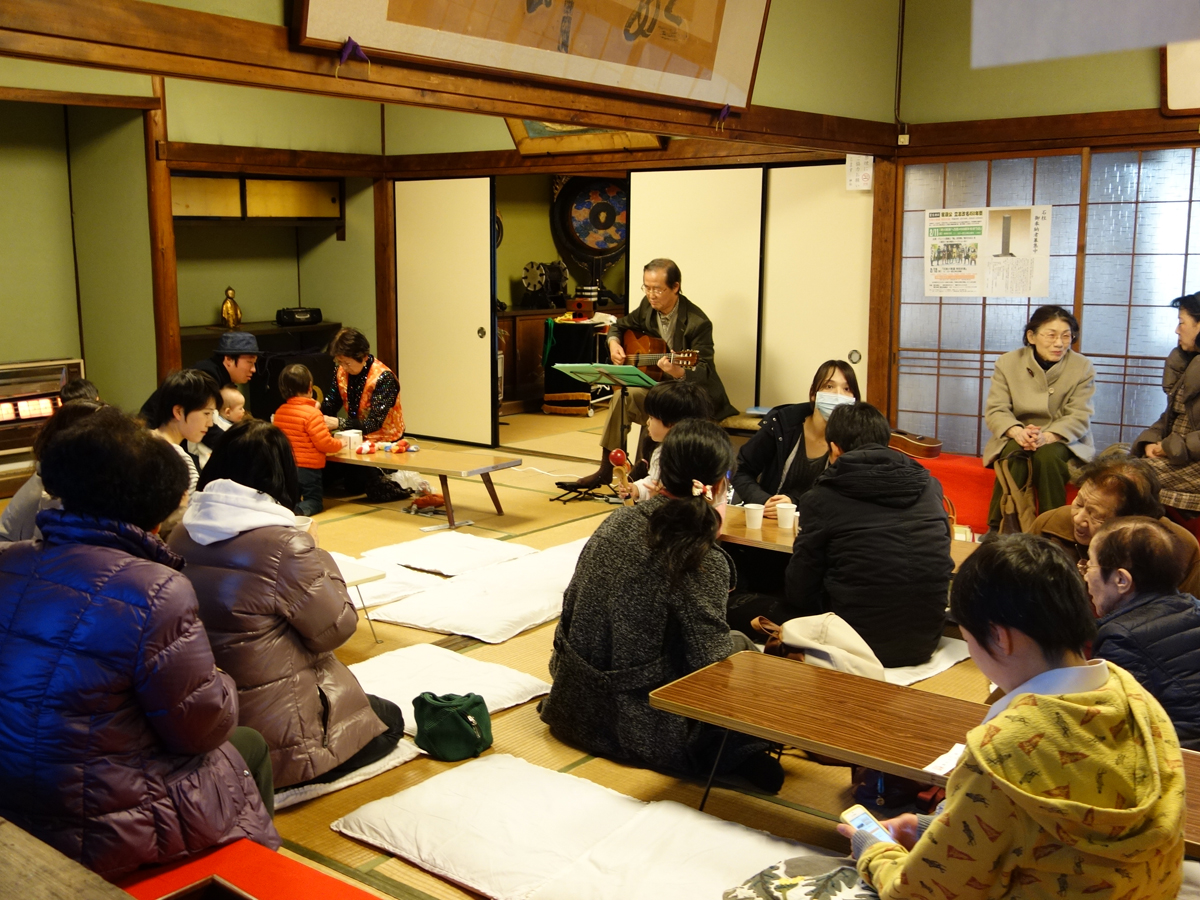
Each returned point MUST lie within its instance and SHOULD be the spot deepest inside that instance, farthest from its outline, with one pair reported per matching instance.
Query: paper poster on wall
(860, 172)
(988, 251)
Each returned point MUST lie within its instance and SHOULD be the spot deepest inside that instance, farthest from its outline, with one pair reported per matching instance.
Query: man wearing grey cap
(233, 362)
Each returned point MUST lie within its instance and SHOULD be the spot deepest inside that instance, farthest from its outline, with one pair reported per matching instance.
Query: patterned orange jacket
(302, 422)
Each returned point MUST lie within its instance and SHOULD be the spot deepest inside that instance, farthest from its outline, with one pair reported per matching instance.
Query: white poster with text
(988, 252)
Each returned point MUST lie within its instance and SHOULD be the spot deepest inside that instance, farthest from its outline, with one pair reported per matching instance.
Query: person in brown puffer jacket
(118, 744)
(276, 607)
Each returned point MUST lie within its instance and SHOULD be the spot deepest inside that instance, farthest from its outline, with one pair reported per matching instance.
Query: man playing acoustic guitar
(666, 314)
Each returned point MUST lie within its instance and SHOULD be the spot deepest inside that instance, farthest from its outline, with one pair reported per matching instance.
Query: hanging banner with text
(988, 252)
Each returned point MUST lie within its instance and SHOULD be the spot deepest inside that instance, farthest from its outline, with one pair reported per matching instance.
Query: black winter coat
(874, 547)
(760, 461)
(1156, 638)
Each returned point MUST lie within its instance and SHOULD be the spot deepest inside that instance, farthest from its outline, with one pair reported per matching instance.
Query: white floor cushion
(669, 850)
(448, 553)
(493, 603)
(403, 674)
(515, 831)
(405, 751)
(397, 583)
(950, 651)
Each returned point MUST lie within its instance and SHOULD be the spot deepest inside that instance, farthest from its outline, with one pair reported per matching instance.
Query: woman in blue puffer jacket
(115, 723)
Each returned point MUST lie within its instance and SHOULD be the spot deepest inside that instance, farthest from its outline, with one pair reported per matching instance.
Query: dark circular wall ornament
(590, 219)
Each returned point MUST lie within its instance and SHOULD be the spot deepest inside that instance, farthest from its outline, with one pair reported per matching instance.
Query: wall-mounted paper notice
(860, 172)
(987, 252)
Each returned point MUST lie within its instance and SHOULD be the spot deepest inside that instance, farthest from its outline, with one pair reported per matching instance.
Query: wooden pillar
(385, 273)
(884, 250)
(162, 240)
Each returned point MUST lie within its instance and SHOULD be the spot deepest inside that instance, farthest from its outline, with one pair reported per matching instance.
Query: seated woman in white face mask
(778, 465)
(789, 451)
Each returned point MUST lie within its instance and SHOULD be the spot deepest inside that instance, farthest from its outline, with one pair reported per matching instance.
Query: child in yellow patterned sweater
(1073, 785)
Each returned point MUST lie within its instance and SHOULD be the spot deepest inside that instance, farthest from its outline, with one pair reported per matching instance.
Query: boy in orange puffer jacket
(301, 420)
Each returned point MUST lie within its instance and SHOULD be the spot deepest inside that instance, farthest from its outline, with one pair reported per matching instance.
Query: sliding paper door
(708, 221)
(444, 310)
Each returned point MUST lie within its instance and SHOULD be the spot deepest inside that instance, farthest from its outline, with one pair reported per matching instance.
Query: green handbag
(453, 726)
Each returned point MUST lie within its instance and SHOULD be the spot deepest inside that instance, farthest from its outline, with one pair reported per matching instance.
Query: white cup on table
(304, 522)
(754, 515)
(787, 515)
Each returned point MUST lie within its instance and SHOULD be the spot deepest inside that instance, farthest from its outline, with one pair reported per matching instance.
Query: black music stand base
(571, 494)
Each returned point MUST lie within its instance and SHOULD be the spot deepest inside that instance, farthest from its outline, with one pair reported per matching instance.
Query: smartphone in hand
(859, 817)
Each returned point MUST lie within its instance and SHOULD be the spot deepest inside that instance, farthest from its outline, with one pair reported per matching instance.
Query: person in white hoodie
(275, 607)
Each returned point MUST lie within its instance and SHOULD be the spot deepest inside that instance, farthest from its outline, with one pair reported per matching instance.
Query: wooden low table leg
(491, 489)
(713, 773)
(446, 497)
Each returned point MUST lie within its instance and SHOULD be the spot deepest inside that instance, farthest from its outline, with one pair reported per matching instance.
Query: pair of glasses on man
(654, 291)
(1084, 564)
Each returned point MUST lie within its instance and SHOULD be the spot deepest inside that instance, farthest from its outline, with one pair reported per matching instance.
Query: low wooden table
(898, 730)
(442, 463)
(769, 537)
(772, 537)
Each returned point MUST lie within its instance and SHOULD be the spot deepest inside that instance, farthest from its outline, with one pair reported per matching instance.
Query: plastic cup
(787, 515)
(754, 516)
(304, 522)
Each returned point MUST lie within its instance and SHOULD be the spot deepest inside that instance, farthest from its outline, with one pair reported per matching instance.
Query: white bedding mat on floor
(448, 553)
(494, 603)
(669, 850)
(512, 830)
(405, 751)
(401, 675)
(397, 583)
(950, 652)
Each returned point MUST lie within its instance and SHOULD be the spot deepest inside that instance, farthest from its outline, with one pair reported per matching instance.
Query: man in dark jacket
(874, 542)
(1146, 625)
(667, 314)
(233, 362)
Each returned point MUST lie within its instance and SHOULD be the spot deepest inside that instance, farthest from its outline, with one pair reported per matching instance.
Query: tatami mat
(963, 680)
(804, 810)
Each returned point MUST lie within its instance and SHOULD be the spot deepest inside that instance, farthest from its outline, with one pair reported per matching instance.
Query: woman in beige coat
(1039, 406)
(275, 607)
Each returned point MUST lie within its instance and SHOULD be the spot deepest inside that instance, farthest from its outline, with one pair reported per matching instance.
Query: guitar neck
(649, 359)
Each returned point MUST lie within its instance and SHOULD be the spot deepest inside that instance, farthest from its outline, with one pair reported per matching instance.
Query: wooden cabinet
(522, 335)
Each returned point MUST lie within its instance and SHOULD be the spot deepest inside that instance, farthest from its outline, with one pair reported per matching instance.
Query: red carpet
(968, 485)
(252, 867)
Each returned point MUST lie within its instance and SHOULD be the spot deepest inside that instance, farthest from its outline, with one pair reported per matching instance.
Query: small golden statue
(231, 313)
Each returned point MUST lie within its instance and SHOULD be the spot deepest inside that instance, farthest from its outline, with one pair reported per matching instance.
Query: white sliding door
(709, 222)
(444, 310)
(816, 278)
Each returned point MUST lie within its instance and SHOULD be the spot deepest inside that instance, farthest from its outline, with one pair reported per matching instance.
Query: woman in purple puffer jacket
(118, 744)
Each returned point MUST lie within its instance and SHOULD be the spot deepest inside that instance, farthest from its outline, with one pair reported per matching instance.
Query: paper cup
(787, 515)
(754, 514)
(304, 522)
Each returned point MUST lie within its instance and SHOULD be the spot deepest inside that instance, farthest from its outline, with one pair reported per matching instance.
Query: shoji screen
(816, 278)
(709, 222)
(443, 302)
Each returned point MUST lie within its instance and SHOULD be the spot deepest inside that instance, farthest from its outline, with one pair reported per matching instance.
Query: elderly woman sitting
(1146, 625)
(1110, 488)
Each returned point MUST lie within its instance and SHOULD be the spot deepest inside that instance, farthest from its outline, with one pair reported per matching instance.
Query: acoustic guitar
(915, 445)
(644, 351)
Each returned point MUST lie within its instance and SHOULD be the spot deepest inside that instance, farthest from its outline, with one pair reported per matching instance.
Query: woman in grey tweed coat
(647, 606)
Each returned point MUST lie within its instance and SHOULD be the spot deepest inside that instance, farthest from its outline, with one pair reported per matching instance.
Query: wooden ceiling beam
(988, 137)
(157, 39)
(183, 157)
(74, 98)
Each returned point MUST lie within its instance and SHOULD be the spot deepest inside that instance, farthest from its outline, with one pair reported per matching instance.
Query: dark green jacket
(693, 331)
